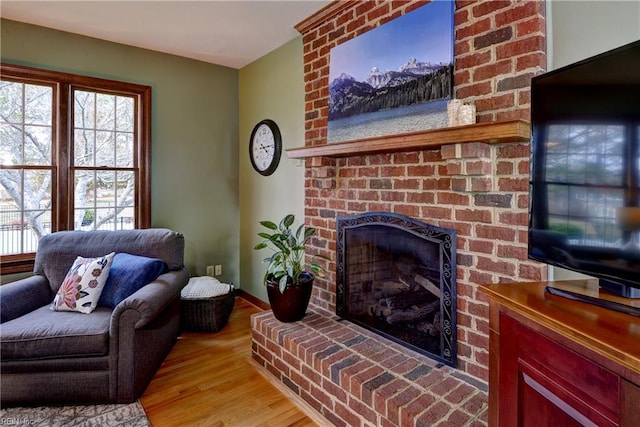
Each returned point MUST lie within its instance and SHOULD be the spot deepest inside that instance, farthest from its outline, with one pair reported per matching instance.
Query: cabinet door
(543, 383)
(540, 407)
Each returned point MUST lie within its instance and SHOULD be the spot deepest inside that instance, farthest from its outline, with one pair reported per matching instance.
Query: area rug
(131, 415)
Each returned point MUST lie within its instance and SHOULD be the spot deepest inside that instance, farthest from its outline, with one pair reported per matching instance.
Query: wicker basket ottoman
(206, 304)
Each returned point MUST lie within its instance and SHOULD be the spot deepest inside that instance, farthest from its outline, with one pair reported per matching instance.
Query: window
(74, 155)
(26, 129)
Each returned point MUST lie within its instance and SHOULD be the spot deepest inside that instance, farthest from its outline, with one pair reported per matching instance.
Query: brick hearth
(353, 377)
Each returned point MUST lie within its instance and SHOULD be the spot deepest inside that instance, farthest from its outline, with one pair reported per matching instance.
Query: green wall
(194, 134)
(270, 88)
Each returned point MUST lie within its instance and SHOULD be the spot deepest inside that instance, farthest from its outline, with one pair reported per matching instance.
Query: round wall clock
(265, 147)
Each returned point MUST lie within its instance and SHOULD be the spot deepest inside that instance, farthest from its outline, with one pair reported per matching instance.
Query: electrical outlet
(210, 270)
(218, 270)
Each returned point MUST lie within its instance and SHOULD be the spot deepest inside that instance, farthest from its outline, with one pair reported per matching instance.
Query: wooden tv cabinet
(558, 362)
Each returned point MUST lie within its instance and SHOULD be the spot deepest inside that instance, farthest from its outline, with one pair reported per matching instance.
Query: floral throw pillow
(82, 287)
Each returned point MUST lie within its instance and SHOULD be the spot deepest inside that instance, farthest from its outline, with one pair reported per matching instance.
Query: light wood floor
(208, 379)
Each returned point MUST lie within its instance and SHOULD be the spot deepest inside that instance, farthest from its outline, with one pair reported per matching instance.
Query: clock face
(265, 147)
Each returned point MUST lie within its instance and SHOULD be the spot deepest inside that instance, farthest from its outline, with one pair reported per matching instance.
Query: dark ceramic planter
(291, 305)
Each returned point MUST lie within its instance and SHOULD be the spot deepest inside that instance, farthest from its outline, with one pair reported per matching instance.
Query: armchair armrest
(23, 296)
(152, 298)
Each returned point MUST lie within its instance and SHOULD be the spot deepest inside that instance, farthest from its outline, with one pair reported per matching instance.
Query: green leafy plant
(286, 264)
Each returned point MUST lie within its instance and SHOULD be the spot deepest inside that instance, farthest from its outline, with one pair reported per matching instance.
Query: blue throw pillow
(128, 274)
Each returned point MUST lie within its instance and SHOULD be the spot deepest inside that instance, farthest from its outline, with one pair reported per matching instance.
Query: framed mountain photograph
(394, 79)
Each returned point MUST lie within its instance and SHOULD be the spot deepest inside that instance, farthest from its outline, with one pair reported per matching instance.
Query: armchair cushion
(46, 334)
(83, 285)
(128, 274)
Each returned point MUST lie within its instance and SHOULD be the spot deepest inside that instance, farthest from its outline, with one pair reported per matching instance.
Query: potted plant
(288, 284)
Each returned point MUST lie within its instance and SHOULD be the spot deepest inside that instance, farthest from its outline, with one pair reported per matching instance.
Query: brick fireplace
(478, 187)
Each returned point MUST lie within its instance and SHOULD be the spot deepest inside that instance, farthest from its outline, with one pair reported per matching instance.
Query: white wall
(581, 29)
(577, 30)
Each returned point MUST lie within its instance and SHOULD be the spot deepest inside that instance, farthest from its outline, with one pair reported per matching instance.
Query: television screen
(585, 168)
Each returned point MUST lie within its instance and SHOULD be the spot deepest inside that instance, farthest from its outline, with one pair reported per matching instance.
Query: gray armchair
(109, 355)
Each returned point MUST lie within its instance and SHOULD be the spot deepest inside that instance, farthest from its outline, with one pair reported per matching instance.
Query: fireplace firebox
(397, 277)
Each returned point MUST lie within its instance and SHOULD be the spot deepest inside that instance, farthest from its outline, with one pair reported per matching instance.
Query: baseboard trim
(253, 300)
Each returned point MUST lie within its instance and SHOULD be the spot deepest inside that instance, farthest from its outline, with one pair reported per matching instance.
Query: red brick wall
(479, 190)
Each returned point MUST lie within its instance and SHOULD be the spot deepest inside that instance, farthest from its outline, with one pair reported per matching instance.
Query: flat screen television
(585, 169)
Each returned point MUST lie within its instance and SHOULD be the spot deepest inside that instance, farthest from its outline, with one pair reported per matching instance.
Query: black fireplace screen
(397, 276)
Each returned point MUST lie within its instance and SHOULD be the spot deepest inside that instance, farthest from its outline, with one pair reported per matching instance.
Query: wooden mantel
(488, 133)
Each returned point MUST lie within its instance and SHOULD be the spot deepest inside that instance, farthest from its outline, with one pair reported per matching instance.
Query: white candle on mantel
(459, 113)
(453, 112)
(467, 114)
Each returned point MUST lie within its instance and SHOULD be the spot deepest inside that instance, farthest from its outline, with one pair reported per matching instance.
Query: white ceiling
(232, 33)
